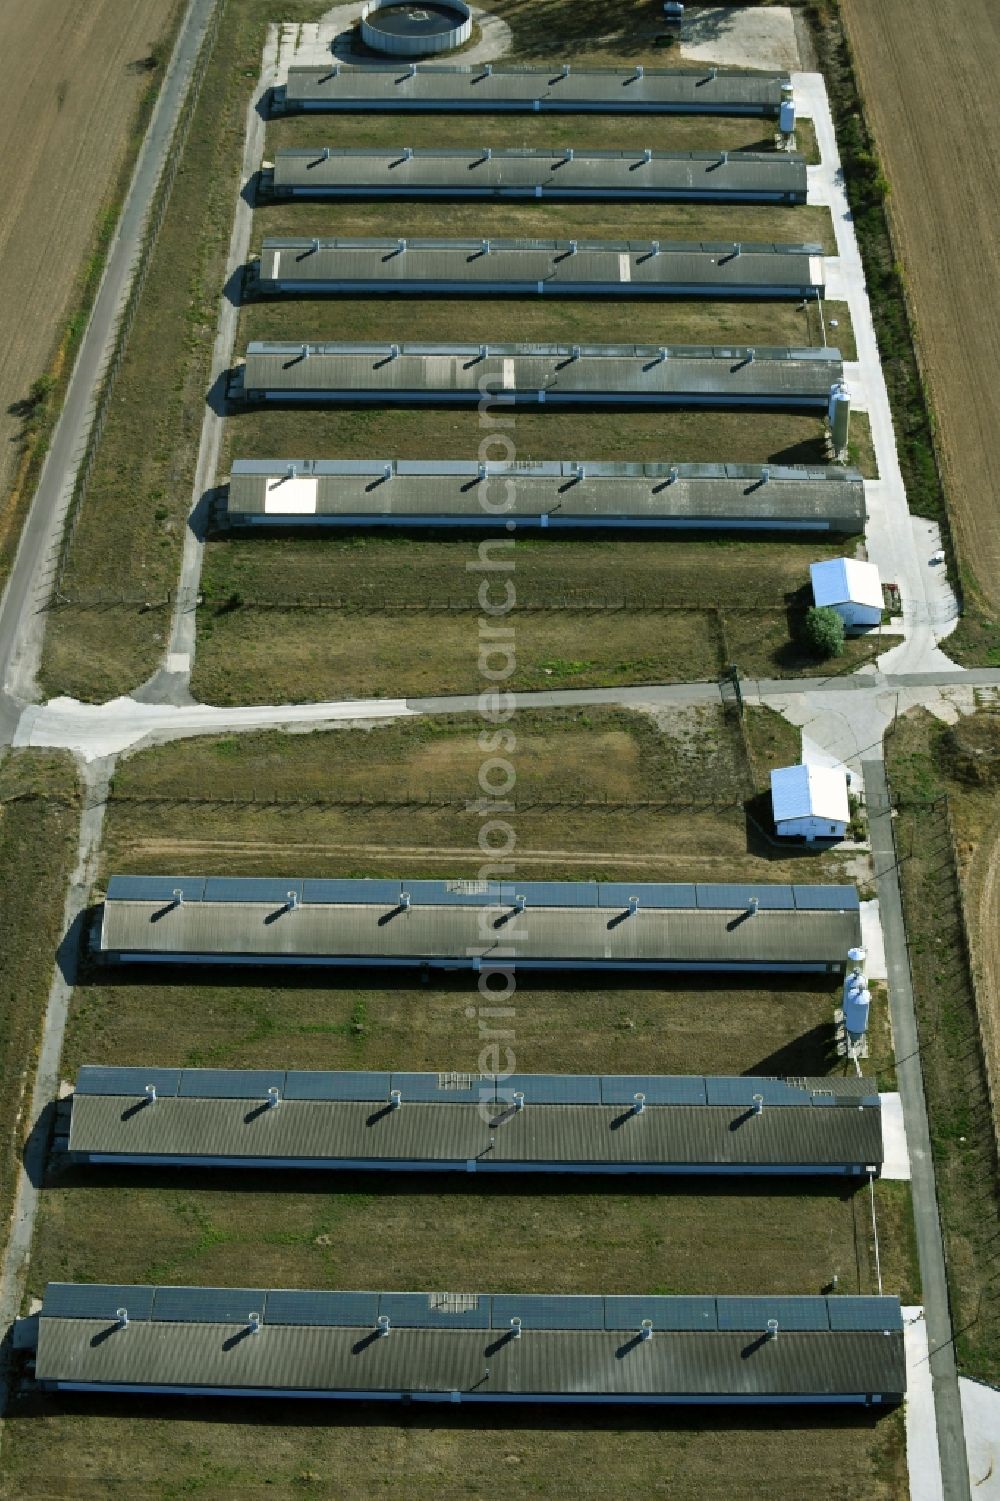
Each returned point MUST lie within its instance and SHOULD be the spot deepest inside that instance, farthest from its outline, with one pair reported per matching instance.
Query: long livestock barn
(625, 375)
(526, 268)
(467, 1347)
(563, 89)
(472, 1123)
(527, 172)
(558, 496)
(477, 925)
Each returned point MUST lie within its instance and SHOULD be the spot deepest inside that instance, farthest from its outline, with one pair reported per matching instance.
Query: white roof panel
(840, 581)
(810, 791)
(291, 497)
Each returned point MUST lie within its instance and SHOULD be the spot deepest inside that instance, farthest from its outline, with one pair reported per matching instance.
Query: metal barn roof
(468, 1121)
(839, 581)
(557, 374)
(809, 791)
(461, 1346)
(525, 172)
(555, 89)
(559, 494)
(563, 924)
(573, 268)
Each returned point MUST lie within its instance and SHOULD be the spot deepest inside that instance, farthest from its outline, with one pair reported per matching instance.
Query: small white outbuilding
(850, 587)
(810, 802)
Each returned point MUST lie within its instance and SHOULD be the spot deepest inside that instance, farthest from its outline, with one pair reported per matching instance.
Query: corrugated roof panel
(591, 1363)
(826, 898)
(252, 889)
(321, 893)
(155, 888)
(455, 893)
(865, 1313)
(339, 1084)
(356, 1310)
(563, 923)
(569, 89)
(741, 1090)
(446, 1088)
(99, 1300)
(551, 1089)
(436, 1310)
(518, 171)
(791, 1313)
(615, 895)
(207, 1305)
(552, 893)
(542, 1311)
(666, 1313)
(659, 1089)
(333, 1132)
(96, 1078)
(737, 895)
(230, 1083)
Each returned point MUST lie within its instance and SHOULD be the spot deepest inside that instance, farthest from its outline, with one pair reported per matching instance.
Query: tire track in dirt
(148, 848)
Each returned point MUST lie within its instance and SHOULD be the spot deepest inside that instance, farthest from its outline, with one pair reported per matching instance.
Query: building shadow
(421, 1417)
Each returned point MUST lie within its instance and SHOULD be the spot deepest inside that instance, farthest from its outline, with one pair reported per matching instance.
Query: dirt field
(929, 93)
(74, 73)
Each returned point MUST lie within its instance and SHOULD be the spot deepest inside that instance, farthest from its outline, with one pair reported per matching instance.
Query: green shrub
(823, 632)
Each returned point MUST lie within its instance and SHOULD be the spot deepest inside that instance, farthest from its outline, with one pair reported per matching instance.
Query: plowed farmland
(928, 79)
(74, 72)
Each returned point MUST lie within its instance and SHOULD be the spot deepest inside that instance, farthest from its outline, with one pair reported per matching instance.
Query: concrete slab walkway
(981, 1413)
(922, 1458)
(896, 1163)
(890, 538)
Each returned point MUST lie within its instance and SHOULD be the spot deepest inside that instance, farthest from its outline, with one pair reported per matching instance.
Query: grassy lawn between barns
(583, 132)
(601, 793)
(287, 619)
(544, 320)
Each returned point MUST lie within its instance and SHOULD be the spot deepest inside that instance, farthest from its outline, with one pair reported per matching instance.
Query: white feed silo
(857, 999)
(838, 415)
(786, 111)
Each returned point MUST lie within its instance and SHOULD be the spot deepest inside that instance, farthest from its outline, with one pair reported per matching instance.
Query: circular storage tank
(407, 28)
(857, 1004)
